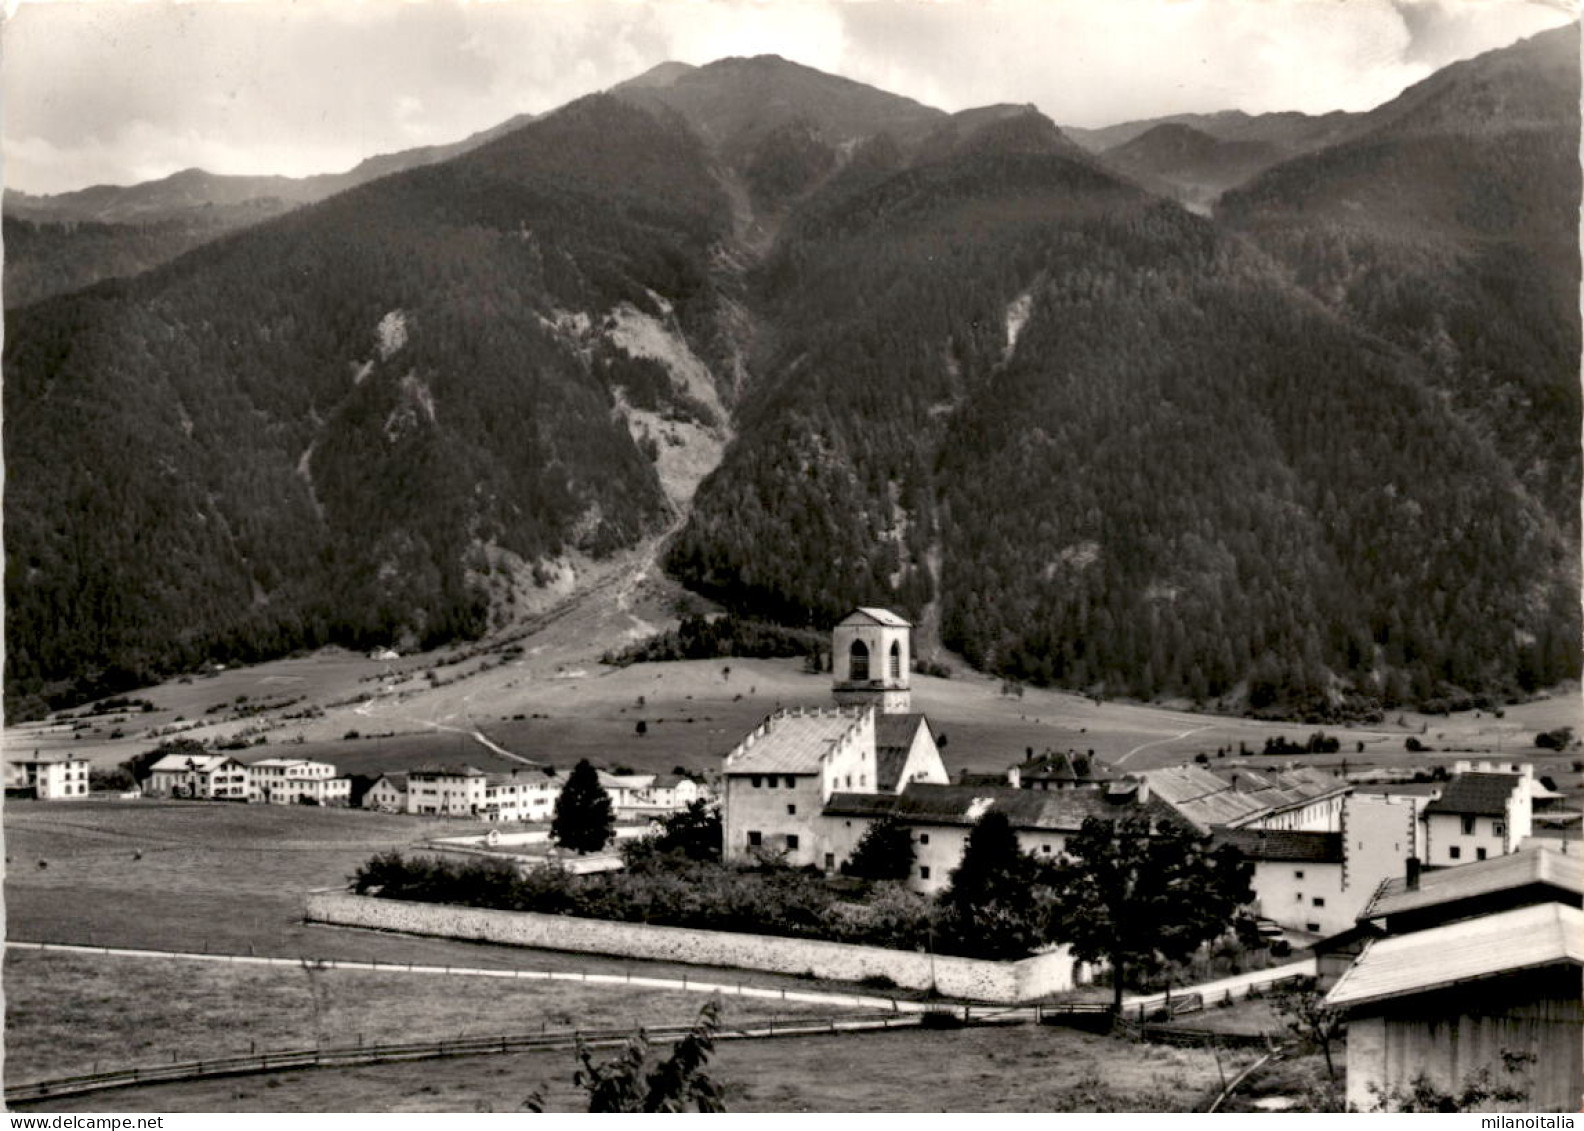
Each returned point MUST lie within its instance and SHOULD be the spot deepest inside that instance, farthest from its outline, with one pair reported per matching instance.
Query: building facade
(872, 662)
(47, 777)
(1478, 816)
(297, 781)
(210, 777)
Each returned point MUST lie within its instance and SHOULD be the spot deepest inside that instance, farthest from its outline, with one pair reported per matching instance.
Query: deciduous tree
(1134, 894)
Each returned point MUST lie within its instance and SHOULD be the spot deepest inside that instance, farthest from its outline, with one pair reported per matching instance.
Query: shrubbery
(666, 890)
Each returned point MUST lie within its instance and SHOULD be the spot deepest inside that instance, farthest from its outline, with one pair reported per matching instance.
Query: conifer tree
(584, 820)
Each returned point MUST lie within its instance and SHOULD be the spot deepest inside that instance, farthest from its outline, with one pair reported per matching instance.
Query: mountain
(1179, 161)
(60, 243)
(1104, 443)
(1449, 227)
(965, 368)
(368, 419)
(1288, 131)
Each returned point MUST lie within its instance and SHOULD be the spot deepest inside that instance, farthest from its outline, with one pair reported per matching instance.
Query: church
(807, 783)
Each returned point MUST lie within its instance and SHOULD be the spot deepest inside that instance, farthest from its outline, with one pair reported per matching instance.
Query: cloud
(119, 92)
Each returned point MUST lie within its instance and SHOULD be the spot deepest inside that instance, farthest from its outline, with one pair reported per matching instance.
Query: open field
(71, 1013)
(1021, 1068)
(229, 879)
(693, 715)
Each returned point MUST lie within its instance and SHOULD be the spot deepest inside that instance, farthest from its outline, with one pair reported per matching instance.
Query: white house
(521, 795)
(939, 818)
(779, 777)
(446, 791)
(1477, 816)
(216, 777)
(388, 794)
(47, 777)
(297, 781)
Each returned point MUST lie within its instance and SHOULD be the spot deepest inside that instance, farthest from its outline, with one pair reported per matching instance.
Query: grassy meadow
(1016, 1069)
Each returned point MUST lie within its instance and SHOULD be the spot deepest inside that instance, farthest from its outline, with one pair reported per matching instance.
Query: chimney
(1413, 873)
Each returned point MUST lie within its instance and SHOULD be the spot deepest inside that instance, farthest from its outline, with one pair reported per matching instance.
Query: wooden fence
(347, 1057)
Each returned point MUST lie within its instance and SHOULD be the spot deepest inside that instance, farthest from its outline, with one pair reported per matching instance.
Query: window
(770, 782)
(791, 782)
(830, 861)
(791, 810)
(792, 842)
(1499, 828)
(896, 659)
(1479, 854)
(924, 872)
(1318, 901)
(755, 838)
(1455, 852)
(1297, 873)
(1468, 826)
(858, 662)
(1315, 927)
(1298, 897)
(1044, 848)
(923, 838)
(756, 781)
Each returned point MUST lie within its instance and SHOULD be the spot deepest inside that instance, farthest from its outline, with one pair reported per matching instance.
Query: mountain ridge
(947, 363)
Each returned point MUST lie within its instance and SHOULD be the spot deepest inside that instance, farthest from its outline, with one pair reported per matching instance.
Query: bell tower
(871, 658)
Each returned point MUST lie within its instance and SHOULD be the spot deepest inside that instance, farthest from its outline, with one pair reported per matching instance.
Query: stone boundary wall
(972, 979)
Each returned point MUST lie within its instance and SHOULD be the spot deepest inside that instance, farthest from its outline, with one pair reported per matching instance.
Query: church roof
(875, 616)
(791, 743)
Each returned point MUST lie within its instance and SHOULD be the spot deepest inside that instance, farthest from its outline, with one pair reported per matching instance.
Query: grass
(70, 1013)
(1017, 1069)
(229, 879)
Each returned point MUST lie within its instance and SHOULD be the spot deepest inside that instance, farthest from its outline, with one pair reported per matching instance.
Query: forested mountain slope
(64, 242)
(335, 425)
(1314, 454)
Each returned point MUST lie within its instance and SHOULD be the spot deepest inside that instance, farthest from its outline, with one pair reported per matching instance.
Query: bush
(1559, 739)
(666, 890)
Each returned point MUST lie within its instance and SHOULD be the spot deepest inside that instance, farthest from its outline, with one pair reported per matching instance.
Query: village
(1451, 903)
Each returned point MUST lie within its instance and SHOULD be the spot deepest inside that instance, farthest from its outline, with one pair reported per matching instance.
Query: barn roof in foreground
(1547, 934)
(1532, 864)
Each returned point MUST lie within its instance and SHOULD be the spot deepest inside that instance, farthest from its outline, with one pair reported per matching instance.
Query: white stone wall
(972, 979)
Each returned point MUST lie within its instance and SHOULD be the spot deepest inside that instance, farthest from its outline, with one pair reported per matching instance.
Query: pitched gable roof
(791, 743)
(894, 736)
(1479, 794)
(875, 616)
(1032, 810)
(1533, 864)
(1285, 844)
(199, 763)
(1206, 799)
(1404, 965)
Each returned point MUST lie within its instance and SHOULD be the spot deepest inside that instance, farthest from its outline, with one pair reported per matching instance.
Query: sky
(117, 91)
